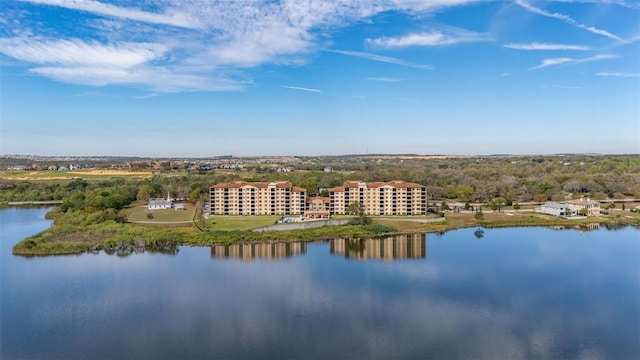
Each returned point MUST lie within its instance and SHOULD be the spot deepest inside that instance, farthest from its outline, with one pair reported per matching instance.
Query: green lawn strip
(231, 223)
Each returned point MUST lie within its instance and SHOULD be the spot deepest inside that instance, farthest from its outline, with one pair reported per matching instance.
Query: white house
(592, 206)
(570, 208)
(556, 209)
(157, 204)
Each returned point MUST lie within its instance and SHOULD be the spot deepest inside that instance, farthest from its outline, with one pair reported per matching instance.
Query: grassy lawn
(404, 226)
(230, 223)
(138, 212)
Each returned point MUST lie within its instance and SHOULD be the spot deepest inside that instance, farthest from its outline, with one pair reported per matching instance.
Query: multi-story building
(380, 198)
(317, 208)
(257, 198)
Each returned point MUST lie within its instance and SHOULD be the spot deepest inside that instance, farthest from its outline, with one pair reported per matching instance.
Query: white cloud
(380, 58)
(79, 52)
(545, 46)
(195, 43)
(563, 87)
(96, 64)
(443, 37)
(302, 89)
(179, 19)
(618, 74)
(385, 79)
(570, 61)
(567, 19)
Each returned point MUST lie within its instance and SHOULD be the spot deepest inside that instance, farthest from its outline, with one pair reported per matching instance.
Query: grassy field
(241, 223)
(138, 212)
(86, 174)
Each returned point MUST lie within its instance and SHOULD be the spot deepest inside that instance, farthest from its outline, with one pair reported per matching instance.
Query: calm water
(514, 293)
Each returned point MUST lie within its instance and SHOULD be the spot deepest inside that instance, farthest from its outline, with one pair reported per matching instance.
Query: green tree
(194, 196)
(357, 208)
(144, 193)
(540, 198)
(497, 203)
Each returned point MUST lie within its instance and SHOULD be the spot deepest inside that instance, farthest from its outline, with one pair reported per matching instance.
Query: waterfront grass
(71, 236)
(240, 223)
(73, 239)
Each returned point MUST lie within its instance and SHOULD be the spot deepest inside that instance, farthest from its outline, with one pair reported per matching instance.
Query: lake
(496, 293)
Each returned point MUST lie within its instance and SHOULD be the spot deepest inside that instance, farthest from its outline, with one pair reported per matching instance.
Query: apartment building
(317, 208)
(257, 198)
(380, 198)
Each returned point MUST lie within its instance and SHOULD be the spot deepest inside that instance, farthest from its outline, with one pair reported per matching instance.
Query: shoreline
(127, 238)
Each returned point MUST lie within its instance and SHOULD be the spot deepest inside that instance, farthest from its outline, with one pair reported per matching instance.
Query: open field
(68, 175)
(138, 212)
(241, 223)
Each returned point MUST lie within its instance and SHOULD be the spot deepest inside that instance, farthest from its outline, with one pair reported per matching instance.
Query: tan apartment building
(380, 198)
(317, 208)
(257, 198)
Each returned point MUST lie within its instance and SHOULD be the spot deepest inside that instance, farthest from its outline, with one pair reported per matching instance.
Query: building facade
(317, 208)
(570, 208)
(160, 204)
(555, 209)
(588, 206)
(380, 198)
(257, 198)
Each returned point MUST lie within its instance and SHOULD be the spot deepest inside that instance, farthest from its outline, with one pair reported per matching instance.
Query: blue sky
(326, 77)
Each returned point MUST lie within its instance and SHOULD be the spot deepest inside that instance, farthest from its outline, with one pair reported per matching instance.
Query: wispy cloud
(179, 19)
(570, 61)
(79, 52)
(445, 36)
(618, 74)
(302, 89)
(97, 64)
(198, 45)
(505, 74)
(145, 96)
(380, 58)
(545, 46)
(568, 87)
(568, 19)
(385, 79)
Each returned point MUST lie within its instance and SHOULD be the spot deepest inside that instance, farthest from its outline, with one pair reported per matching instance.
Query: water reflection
(266, 251)
(411, 246)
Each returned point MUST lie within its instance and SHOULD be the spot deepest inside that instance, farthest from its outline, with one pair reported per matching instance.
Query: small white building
(555, 209)
(570, 208)
(158, 204)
